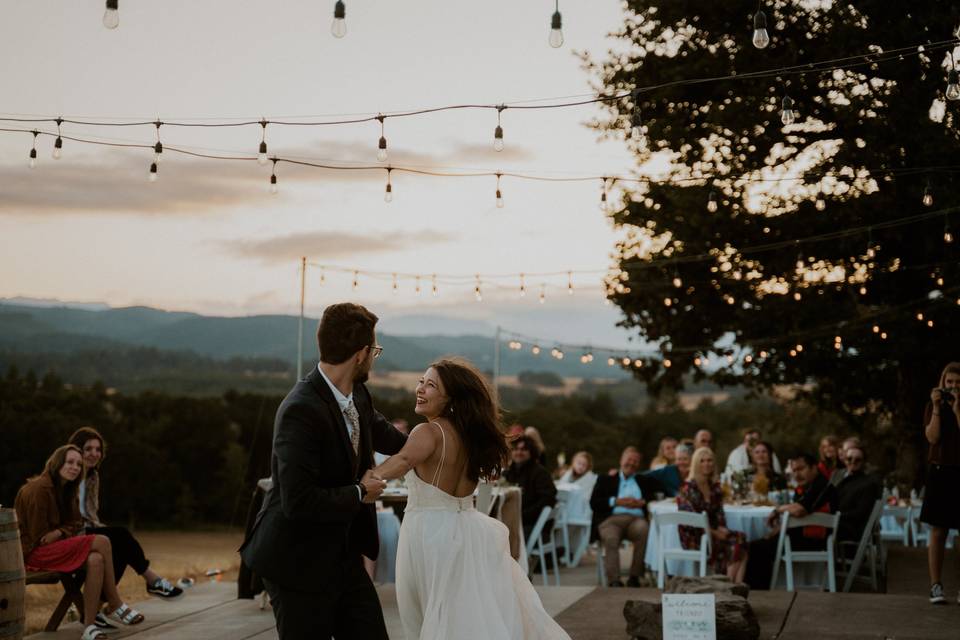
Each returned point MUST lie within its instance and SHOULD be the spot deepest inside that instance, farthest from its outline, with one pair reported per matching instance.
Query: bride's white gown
(456, 579)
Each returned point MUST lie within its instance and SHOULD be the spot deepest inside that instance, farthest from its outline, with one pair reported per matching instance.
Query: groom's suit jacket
(312, 520)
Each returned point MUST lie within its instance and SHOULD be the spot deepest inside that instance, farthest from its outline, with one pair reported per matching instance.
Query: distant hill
(36, 330)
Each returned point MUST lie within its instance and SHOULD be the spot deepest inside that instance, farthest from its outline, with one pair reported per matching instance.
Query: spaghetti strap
(443, 453)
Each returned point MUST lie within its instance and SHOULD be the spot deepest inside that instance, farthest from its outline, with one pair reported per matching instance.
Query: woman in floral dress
(701, 493)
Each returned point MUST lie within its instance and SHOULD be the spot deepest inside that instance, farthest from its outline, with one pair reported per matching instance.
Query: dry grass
(172, 554)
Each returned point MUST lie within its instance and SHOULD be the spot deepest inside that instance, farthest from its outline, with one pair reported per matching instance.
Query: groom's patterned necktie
(351, 412)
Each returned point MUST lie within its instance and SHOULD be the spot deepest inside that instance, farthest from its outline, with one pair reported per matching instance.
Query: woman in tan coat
(50, 527)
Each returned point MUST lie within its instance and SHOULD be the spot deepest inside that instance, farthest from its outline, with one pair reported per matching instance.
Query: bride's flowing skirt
(457, 580)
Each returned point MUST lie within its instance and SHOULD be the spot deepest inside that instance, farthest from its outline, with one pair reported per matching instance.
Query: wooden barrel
(11, 577)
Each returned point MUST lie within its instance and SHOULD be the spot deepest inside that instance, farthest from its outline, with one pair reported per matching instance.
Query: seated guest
(536, 486)
(760, 475)
(857, 493)
(703, 438)
(619, 506)
(701, 493)
(665, 453)
(126, 549)
(814, 495)
(534, 434)
(581, 472)
(739, 458)
(52, 540)
(673, 475)
(830, 461)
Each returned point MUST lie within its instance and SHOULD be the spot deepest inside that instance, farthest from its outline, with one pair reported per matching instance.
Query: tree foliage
(807, 242)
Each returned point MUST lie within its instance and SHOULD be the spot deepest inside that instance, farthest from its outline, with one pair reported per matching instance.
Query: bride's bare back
(451, 476)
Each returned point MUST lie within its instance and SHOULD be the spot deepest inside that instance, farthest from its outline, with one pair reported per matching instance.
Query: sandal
(93, 632)
(126, 615)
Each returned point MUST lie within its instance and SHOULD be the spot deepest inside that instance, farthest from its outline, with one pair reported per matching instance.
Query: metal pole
(303, 290)
(496, 360)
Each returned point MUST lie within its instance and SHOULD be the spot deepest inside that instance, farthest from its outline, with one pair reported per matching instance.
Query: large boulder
(735, 617)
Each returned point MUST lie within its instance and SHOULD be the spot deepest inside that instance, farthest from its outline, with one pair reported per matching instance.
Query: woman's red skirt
(64, 555)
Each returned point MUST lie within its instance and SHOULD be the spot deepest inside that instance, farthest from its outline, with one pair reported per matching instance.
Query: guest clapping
(701, 493)
(50, 535)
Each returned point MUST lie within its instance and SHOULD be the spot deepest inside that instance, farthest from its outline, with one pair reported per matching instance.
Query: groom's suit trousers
(348, 610)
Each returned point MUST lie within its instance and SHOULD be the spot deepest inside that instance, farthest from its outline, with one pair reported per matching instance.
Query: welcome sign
(689, 616)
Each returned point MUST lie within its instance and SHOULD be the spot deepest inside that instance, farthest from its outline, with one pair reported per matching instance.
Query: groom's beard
(362, 377)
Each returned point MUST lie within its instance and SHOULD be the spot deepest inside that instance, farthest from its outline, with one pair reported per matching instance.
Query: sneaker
(163, 589)
(102, 623)
(936, 594)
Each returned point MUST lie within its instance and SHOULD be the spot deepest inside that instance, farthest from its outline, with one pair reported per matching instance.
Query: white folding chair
(920, 531)
(484, 497)
(788, 556)
(601, 554)
(541, 542)
(664, 552)
(868, 545)
(560, 526)
(891, 529)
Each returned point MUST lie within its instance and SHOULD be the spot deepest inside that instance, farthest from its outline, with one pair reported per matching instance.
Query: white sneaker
(936, 594)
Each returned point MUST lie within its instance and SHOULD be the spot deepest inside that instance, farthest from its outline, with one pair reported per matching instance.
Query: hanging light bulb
(339, 26)
(356, 280)
(417, 288)
(626, 361)
(637, 363)
(953, 81)
(667, 363)
(388, 190)
(677, 282)
(33, 151)
(927, 195)
(58, 143)
(787, 115)
(556, 26)
(636, 122)
(382, 144)
(712, 202)
(569, 283)
(535, 349)
(761, 39)
(523, 286)
(394, 284)
(433, 286)
(152, 176)
(498, 132)
(158, 147)
(821, 202)
(476, 289)
(262, 153)
(947, 235)
(611, 362)
(543, 294)
(499, 195)
(273, 179)
(603, 195)
(111, 16)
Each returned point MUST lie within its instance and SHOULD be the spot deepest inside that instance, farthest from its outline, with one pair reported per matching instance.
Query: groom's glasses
(376, 350)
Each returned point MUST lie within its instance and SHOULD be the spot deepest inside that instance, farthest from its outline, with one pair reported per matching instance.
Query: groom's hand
(373, 485)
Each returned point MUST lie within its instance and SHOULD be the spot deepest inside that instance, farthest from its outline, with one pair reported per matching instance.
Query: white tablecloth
(576, 503)
(749, 519)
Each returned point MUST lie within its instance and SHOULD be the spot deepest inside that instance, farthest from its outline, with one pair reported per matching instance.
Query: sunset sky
(209, 237)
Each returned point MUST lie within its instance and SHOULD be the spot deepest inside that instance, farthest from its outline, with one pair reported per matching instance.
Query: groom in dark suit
(318, 519)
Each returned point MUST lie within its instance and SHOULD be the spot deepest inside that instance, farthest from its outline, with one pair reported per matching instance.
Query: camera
(946, 395)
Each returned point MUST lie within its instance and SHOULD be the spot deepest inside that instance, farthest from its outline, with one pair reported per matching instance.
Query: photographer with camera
(942, 429)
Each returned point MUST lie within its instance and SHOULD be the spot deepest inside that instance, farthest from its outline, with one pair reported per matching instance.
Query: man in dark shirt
(814, 495)
(858, 493)
(536, 485)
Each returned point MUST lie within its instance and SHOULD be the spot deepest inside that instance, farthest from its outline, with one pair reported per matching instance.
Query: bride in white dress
(456, 578)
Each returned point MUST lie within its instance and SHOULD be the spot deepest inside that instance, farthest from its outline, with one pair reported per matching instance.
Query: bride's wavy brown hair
(473, 410)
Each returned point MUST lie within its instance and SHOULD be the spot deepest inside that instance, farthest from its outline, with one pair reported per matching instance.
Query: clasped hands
(631, 503)
(374, 485)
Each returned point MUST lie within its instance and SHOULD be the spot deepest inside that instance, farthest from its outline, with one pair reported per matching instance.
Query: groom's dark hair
(344, 329)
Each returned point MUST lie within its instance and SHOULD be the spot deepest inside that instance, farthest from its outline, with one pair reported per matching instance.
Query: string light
(498, 132)
(33, 151)
(667, 363)
(388, 190)
(523, 286)
(394, 284)
(821, 202)
(603, 195)
(569, 283)
(712, 202)
(417, 287)
(748, 359)
(638, 363)
(761, 39)
(58, 143)
(339, 25)
(556, 27)
(947, 234)
(158, 147)
(677, 282)
(953, 81)
(262, 152)
(499, 195)
(927, 195)
(111, 15)
(787, 114)
(535, 349)
(152, 175)
(476, 289)
(611, 362)
(636, 123)
(763, 355)
(356, 280)
(543, 294)
(273, 178)
(876, 329)
(433, 285)
(382, 144)
(930, 323)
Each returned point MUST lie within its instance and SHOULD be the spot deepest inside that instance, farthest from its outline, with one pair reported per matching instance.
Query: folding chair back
(666, 552)
(786, 553)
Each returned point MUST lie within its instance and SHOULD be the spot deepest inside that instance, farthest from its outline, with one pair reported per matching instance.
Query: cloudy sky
(209, 237)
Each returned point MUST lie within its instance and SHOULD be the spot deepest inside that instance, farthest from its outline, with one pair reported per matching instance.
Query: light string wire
(823, 66)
